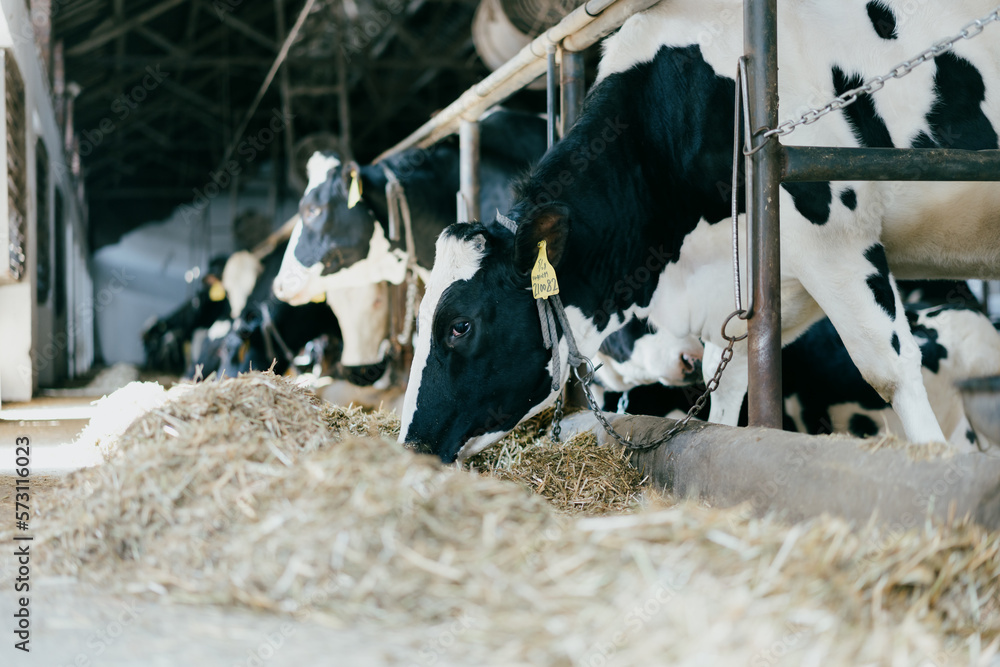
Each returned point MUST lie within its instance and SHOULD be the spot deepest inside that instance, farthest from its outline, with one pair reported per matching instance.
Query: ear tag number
(216, 292)
(354, 193)
(543, 276)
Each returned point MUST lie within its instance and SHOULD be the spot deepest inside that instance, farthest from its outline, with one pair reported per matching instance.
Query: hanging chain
(711, 386)
(970, 30)
(557, 418)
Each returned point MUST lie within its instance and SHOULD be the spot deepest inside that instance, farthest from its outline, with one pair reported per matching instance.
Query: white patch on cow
(656, 357)
(383, 264)
(454, 260)
(318, 169)
(238, 278)
(219, 329)
(363, 316)
(295, 283)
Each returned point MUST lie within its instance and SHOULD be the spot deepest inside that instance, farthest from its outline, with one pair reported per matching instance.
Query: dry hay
(575, 475)
(237, 492)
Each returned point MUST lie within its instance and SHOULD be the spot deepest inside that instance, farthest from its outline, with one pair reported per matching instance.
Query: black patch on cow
(862, 426)
(883, 20)
(868, 127)
(820, 353)
(937, 296)
(879, 282)
(812, 200)
(895, 342)
(620, 344)
(923, 140)
(970, 435)
(956, 119)
(931, 351)
(849, 198)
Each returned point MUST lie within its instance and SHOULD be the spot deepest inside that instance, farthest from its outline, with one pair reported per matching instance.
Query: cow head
(636, 355)
(480, 365)
(335, 239)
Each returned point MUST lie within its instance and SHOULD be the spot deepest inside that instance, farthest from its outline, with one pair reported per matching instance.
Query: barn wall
(149, 264)
(36, 341)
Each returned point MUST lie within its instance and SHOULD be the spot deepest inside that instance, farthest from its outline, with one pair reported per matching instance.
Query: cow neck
(634, 188)
(373, 183)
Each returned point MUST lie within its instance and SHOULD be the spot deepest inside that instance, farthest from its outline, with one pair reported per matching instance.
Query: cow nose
(691, 364)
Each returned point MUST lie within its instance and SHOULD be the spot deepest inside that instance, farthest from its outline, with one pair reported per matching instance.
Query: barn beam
(238, 24)
(103, 36)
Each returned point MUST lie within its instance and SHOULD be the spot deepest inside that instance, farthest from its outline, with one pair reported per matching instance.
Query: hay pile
(575, 475)
(239, 492)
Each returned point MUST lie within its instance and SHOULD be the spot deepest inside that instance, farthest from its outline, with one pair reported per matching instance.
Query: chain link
(970, 30)
(557, 418)
(711, 386)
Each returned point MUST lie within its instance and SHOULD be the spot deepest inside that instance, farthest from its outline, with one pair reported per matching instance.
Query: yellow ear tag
(319, 298)
(354, 193)
(543, 276)
(217, 292)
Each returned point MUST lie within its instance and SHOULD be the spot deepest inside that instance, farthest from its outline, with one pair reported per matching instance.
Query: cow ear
(550, 224)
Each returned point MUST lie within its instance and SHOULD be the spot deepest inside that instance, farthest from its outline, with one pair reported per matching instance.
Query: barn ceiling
(164, 86)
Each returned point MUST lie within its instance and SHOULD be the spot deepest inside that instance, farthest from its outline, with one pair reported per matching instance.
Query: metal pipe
(761, 45)
(550, 96)
(812, 163)
(578, 30)
(572, 89)
(468, 179)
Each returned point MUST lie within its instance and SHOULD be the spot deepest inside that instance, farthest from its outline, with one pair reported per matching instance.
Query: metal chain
(711, 386)
(557, 418)
(875, 84)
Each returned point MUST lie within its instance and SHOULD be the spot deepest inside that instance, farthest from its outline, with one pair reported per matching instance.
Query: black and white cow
(165, 339)
(345, 252)
(260, 328)
(635, 192)
(823, 390)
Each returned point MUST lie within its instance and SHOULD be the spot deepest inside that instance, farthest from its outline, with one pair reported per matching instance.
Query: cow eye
(459, 328)
(310, 212)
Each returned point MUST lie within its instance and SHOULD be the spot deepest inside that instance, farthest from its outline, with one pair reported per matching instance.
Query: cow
(633, 200)
(823, 390)
(336, 247)
(261, 330)
(164, 339)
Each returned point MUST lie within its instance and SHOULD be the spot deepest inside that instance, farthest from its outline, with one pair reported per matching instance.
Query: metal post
(550, 95)
(571, 87)
(761, 45)
(468, 178)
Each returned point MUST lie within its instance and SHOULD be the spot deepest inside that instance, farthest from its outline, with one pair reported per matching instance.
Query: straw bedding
(251, 492)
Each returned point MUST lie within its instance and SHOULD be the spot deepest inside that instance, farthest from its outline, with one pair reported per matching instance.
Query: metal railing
(774, 163)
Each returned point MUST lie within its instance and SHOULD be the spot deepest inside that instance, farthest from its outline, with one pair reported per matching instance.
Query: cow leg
(727, 400)
(857, 292)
